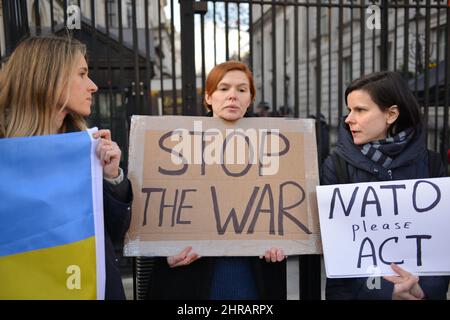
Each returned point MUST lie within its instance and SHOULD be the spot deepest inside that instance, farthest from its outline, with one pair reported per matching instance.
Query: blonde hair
(32, 83)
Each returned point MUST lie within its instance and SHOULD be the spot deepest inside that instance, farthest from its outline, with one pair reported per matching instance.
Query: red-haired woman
(229, 92)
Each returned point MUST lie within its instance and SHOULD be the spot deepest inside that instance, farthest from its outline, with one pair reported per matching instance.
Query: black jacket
(193, 282)
(411, 163)
(117, 216)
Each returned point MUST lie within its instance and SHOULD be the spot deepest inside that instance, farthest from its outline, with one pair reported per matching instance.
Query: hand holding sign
(366, 225)
(183, 258)
(109, 153)
(274, 255)
(406, 285)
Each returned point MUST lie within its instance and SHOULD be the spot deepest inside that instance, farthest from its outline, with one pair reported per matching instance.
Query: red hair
(218, 72)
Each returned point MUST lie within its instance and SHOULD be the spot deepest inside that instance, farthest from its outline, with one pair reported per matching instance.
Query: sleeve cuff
(117, 180)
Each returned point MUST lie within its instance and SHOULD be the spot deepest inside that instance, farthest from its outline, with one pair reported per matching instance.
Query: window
(390, 57)
(257, 55)
(129, 22)
(104, 106)
(441, 44)
(349, 12)
(288, 38)
(347, 70)
(112, 13)
(324, 20)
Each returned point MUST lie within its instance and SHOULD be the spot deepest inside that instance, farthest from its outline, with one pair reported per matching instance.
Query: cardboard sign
(225, 189)
(367, 226)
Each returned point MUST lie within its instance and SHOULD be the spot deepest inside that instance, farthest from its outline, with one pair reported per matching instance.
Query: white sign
(367, 226)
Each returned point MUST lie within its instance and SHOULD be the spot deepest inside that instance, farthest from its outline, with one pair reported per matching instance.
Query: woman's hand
(406, 285)
(274, 255)
(109, 154)
(183, 258)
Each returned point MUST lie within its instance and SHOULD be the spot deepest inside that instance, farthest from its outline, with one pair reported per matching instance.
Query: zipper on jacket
(390, 174)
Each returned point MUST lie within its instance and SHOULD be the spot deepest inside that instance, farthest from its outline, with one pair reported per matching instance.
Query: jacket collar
(352, 153)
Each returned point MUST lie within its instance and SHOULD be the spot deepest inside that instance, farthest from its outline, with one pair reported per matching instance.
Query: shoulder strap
(434, 164)
(341, 167)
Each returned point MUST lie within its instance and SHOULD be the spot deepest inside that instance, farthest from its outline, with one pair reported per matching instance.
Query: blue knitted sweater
(233, 280)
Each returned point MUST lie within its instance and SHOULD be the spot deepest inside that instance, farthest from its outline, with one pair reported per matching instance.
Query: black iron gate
(337, 41)
(147, 59)
(304, 53)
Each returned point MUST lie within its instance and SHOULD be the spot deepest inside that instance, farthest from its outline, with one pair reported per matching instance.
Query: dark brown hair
(386, 89)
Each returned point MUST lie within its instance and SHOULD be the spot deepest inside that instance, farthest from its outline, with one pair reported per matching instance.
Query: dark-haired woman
(382, 138)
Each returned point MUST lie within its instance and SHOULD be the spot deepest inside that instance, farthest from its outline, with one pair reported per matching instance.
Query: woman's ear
(392, 114)
(208, 98)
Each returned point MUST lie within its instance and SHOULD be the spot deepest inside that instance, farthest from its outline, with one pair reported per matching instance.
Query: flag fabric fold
(51, 218)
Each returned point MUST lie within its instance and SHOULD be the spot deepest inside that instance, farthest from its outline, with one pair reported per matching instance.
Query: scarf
(384, 151)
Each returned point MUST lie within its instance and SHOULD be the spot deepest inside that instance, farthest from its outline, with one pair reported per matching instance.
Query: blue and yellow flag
(51, 218)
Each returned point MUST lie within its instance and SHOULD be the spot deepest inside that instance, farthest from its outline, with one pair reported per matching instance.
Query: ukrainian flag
(51, 218)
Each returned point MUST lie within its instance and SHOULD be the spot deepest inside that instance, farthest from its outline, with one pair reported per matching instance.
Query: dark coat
(411, 163)
(193, 282)
(117, 216)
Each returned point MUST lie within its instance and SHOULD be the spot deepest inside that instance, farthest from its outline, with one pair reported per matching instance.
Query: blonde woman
(45, 89)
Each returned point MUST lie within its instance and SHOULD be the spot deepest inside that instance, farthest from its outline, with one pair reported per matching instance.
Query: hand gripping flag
(51, 218)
